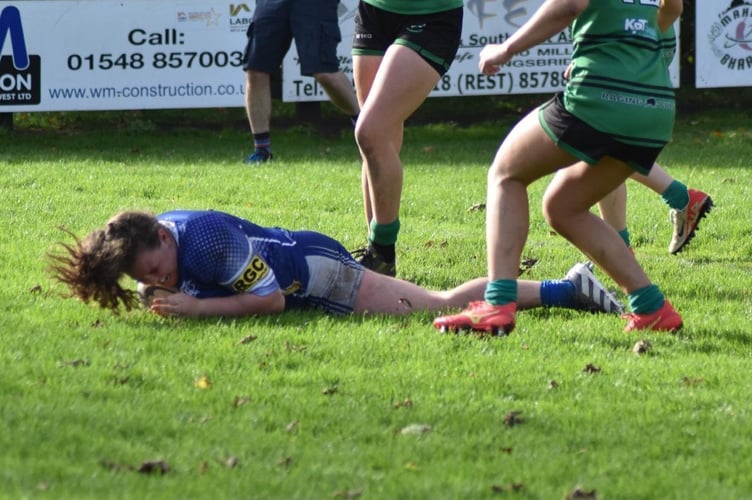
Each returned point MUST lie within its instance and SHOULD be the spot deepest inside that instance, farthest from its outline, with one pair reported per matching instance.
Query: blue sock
(646, 300)
(557, 293)
(500, 292)
(676, 195)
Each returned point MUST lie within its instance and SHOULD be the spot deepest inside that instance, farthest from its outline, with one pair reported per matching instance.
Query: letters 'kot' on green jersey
(619, 83)
(413, 7)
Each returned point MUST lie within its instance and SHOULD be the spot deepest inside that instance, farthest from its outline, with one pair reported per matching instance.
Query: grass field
(308, 406)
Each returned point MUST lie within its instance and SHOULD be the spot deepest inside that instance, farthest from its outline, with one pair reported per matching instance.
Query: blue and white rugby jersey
(221, 255)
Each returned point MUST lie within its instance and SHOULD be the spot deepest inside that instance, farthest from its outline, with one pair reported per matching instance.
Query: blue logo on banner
(20, 74)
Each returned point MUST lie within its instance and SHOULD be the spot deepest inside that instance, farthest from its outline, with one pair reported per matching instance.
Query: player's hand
(492, 57)
(175, 304)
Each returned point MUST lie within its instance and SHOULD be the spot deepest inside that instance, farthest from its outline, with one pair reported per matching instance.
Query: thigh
(580, 186)
(315, 28)
(401, 84)
(528, 153)
(269, 39)
(364, 73)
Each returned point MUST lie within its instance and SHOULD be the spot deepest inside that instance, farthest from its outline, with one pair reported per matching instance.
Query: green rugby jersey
(619, 83)
(415, 6)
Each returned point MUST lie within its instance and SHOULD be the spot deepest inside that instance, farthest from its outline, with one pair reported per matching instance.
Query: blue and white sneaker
(592, 295)
(258, 156)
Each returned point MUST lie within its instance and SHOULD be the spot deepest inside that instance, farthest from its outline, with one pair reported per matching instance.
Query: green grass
(315, 405)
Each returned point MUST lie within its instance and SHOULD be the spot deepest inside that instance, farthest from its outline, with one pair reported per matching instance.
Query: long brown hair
(92, 267)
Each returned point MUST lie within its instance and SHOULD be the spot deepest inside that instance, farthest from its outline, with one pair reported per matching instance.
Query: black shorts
(436, 40)
(588, 144)
(313, 25)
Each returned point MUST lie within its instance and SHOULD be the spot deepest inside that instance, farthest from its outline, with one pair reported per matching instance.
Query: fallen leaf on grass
(202, 382)
(507, 488)
(239, 401)
(591, 368)
(292, 426)
(407, 403)
(513, 418)
(247, 339)
(154, 467)
(580, 493)
(431, 243)
(527, 264)
(203, 467)
(415, 429)
(293, 347)
(641, 347)
(692, 381)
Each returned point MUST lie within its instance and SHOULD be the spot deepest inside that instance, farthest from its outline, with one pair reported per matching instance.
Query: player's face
(158, 266)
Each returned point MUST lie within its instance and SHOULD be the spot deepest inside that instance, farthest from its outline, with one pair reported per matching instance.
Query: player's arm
(242, 304)
(668, 13)
(551, 18)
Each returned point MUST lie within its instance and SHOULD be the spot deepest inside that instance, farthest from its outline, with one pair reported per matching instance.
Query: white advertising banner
(539, 70)
(723, 43)
(140, 54)
(127, 54)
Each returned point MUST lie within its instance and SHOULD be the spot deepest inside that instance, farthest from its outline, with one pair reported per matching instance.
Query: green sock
(676, 195)
(500, 292)
(646, 300)
(384, 234)
(624, 233)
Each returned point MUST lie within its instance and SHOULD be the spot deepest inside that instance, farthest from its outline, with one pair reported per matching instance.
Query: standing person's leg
(526, 154)
(613, 209)
(566, 206)
(687, 206)
(365, 68)
(269, 39)
(396, 67)
(401, 84)
(258, 107)
(340, 91)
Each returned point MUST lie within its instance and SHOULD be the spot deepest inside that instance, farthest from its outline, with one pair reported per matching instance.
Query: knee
(325, 79)
(554, 212)
(366, 135)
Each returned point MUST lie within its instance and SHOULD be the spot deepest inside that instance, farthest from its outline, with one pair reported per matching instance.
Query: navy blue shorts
(437, 42)
(313, 25)
(588, 144)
